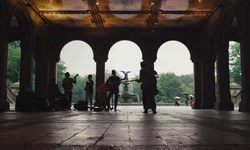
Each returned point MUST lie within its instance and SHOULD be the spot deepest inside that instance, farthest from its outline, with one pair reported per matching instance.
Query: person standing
(148, 87)
(177, 101)
(113, 83)
(89, 90)
(187, 99)
(67, 85)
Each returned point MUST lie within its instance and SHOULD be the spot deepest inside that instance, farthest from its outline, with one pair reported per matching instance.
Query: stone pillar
(150, 63)
(245, 59)
(4, 105)
(52, 66)
(41, 73)
(197, 83)
(26, 68)
(208, 85)
(208, 77)
(223, 100)
(100, 72)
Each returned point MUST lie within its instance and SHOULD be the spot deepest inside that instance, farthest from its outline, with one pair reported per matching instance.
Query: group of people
(189, 98)
(58, 100)
(147, 78)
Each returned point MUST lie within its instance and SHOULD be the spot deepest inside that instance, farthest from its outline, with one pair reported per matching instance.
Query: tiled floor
(172, 128)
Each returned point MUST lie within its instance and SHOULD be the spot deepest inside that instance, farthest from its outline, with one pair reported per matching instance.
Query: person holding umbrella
(177, 101)
(187, 98)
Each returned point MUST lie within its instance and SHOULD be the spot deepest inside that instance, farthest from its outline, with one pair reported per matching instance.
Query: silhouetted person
(177, 102)
(101, 96)
(89, 90)
(113, 82)
(186, 101)
(67, 85)
(53, 92)
(148, 87)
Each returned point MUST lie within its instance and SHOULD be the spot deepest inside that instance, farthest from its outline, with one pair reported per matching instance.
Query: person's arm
(140, 77)
(74, 81)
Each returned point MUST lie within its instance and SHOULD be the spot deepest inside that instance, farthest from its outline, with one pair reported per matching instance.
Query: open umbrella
(177, 97)
(185, 93)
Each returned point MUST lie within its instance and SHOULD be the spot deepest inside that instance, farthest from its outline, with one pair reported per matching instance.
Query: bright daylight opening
(124, 56)
(173, 56)
(78, 58)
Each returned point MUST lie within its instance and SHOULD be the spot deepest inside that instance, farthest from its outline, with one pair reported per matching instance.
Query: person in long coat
(148, 87)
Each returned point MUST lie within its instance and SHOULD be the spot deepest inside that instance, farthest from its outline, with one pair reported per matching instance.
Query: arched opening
(235, 72)
(125, 57)
(13, 72)
(175, 73)
(76, 57)
(13, 66)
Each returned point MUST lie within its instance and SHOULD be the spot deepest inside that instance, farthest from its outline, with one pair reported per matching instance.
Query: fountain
(126, 89)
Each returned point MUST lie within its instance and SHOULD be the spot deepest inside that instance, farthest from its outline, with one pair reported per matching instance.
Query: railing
(11, 97)
(236, 99)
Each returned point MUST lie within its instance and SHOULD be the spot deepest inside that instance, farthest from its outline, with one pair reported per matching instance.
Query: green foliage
(61, 69)
(78, 90)
(16, 44)
(188, 80)
(169, 85)
(14, 59)
(235, 63)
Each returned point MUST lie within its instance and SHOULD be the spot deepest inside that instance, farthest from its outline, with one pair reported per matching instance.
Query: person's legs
(152, 101)
(186, 102)
(116, 99)
(70, 98)
(144, 101)
(108, 100)
(91, 100)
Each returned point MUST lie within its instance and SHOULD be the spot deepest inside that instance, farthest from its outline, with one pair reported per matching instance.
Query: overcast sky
(125, 55)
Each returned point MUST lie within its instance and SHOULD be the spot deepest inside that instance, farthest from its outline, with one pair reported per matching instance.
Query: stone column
(26, 68)
(150, 63)
(208, 85)
(245, 59)
(208, 77)
(41, 73)
(52, 66)
(223, 100)
(197, 83)
(100, 72)
(4, 105)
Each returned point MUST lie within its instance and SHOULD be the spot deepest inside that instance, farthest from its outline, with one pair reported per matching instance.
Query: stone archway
(223, 100)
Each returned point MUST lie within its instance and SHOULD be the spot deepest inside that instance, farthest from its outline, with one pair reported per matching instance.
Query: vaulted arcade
(204, 26)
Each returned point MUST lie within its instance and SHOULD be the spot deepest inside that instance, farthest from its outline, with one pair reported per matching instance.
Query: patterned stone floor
(172, 128)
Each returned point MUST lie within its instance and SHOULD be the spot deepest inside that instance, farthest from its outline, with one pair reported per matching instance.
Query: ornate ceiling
(124, 14)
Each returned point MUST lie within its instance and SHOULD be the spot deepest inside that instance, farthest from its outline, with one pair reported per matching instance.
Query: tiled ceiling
(124, 14)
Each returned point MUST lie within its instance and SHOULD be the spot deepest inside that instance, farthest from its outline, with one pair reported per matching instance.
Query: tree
(235, 63)
(188, 82)
(61, 69)
(78, 90)
(14, 59)
(169, 86)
